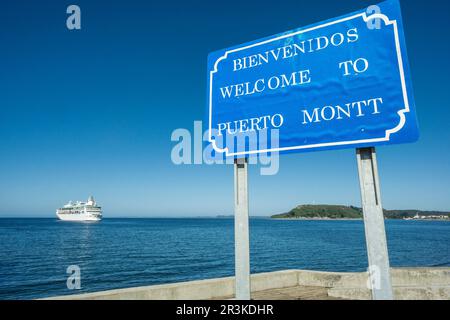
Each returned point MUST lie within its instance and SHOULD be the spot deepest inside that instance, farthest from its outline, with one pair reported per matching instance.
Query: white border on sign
(388, 133)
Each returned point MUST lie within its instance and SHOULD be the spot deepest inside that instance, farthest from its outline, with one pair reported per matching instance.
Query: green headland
(325, 211)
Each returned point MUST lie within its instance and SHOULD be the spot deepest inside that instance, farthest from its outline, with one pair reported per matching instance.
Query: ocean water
(120, 253)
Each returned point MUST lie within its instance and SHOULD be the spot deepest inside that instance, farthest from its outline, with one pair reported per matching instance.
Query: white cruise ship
(80, 211)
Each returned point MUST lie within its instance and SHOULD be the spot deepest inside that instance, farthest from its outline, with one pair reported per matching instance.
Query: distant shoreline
(344, 212)
(354, 219)
(301, 218)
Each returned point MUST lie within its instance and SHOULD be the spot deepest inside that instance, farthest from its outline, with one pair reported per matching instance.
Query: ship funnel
(91, 201)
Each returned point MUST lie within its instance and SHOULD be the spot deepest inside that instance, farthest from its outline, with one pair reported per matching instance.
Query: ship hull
(78, 217)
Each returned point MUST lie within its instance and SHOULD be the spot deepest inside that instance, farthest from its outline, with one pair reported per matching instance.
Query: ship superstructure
(80, 211)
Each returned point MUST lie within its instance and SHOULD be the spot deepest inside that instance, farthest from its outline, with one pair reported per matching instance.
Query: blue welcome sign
(340, 83)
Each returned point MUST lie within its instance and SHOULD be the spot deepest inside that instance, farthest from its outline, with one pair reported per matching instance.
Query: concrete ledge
(193, 290)
(331, 279)
(400, 293)
(409, 283)
(273, 280)
(421, 277)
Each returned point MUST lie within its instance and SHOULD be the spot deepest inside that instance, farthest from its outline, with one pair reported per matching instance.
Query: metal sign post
(241, 233)
(379, 272)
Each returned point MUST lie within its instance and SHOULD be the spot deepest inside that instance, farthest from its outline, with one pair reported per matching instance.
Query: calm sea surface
(119, 253)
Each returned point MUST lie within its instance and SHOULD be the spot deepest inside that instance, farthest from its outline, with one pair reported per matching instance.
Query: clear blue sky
(92, 111)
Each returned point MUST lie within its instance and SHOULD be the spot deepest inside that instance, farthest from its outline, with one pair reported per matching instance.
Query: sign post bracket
(241, 230)
(379, 270)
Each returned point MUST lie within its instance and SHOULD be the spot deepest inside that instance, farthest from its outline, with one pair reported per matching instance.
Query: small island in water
(326, 211)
